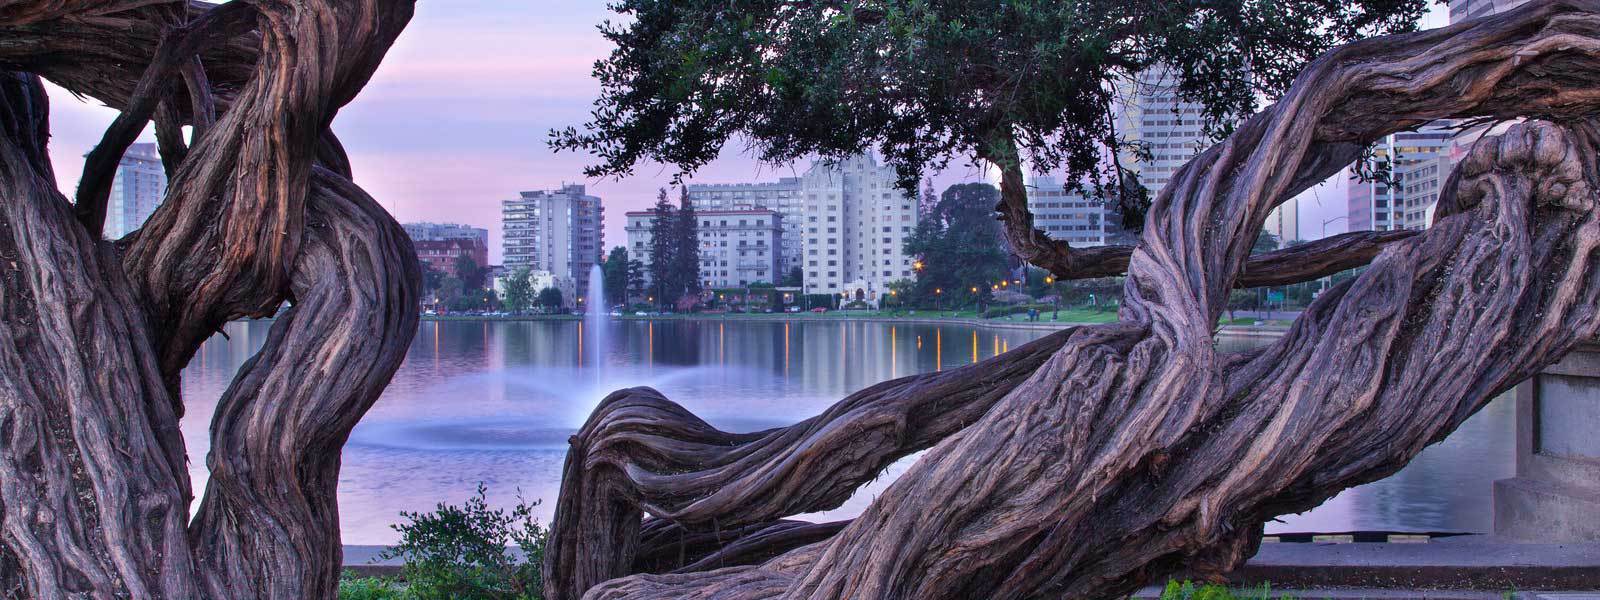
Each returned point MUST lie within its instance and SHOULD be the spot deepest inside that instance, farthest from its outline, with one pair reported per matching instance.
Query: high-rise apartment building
(558, 231)
(1404, 198)
(854, 229)
(136, 190)
(1172, 130)
(782, 196)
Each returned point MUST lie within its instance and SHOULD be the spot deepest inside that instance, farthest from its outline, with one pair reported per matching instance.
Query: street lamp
(1325, 224)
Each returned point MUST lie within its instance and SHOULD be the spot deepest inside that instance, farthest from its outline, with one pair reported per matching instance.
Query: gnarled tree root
(1136, 449)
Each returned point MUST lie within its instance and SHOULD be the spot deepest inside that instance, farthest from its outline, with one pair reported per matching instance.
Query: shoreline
(1270, 331)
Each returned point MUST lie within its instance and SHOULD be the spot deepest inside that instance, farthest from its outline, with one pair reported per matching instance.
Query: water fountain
(596, 322)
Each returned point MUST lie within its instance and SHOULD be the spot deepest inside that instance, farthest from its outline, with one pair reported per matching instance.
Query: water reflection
(496, 401)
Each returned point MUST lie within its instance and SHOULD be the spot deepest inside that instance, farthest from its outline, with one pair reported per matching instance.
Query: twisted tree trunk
(94, 492)
(1136, 449)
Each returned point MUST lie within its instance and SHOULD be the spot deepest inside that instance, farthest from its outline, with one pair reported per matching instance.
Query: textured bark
(1137, 450)
(94, 491)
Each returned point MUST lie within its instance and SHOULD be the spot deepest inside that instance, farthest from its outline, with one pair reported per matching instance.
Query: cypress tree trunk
(94, 491)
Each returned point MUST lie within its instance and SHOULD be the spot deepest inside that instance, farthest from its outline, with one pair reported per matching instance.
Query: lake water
(494, 402)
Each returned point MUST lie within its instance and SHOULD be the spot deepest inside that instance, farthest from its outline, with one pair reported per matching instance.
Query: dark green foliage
(474, 299)
(923, 81)
(470, 273)
(1187, 590)
(464, 552)
(958, 246)
(1266, 242)
(370, 588)
(550, 298)
(1005, 311)
(431, 278)
(795, 278)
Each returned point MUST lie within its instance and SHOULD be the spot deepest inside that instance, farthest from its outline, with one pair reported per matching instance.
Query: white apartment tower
(1173, 131)
(136, 190)
(558, 231)
(854, 228)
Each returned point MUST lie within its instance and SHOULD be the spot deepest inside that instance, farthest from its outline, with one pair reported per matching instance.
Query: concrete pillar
(1555, 496)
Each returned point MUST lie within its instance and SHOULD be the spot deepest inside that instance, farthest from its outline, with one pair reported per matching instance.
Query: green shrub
(1187, 590)
(370, 588)
(1005, 311)
(463, 552)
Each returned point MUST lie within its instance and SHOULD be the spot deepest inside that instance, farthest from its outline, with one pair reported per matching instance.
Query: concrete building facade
(740, 247)
(441, 255)
(782, 196)
(558, 231)
(1066, 215)
(426, 231)
(1172, 130)
(854, 229)
(1404, 198)
(136, 190)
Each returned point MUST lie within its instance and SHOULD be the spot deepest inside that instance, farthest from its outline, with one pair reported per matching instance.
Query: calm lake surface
(494, 402)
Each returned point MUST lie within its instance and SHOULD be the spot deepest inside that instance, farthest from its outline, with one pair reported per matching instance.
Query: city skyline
(478, 100)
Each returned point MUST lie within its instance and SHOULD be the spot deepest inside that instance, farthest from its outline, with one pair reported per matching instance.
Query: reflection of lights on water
(786, 349)
(894, 346)
(974, 346)
(938, 349)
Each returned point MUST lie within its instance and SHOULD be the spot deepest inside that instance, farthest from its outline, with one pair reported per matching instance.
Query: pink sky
(456, 120)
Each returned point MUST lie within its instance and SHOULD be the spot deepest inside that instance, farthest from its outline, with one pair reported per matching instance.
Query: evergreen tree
(615, 275)
(686, 245)
(929, 199)
(636, 278)
(663, 250)
(470, 273)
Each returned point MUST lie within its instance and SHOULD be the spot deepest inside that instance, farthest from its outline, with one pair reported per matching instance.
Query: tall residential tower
(556, 231)
(137, 189)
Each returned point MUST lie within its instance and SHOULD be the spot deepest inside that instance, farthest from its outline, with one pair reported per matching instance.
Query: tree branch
(99, 167)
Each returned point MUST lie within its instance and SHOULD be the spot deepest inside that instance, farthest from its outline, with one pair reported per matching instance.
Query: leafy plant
(464, 552)
(370, 588)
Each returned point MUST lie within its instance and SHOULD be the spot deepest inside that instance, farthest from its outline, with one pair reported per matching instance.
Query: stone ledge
(1474, 568)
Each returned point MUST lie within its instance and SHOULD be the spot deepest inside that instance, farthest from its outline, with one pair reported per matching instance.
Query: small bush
(464, 552)
(1005, 311)
(370, 588)
(1187, 590)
